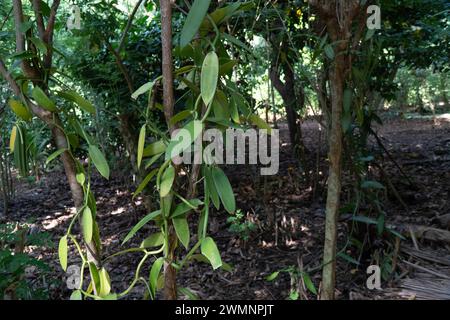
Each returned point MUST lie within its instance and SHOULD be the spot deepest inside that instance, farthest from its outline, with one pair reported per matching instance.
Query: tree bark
(338, 17)
(170, 283)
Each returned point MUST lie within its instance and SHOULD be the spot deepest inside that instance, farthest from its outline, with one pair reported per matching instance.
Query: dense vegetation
(92, 97)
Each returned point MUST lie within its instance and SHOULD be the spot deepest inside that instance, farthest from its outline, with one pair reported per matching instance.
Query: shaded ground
(421, 148)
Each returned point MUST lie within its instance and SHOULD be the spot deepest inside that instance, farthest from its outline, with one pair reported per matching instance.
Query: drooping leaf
(368, 184)
(154, 149)
(209, 77)
(155, 240)
(184, 138)
(182, 230)
(42, 100)
(167, 180)
(224, 189)
(12, 139)
(193, 21)
(105, 282)
(54, 155)
(183, 208)
(73, 96)
(154, 274)
(209, 249)
(308, 283)
(272, 276)
(62, 252)
(145, 182)
(329, 52)
(76, 295)
(141, 144)
(140, 224)
(20, 109)
(143, 89)
(99, 161)
(88, 224)
(260, 123)
(39, 44)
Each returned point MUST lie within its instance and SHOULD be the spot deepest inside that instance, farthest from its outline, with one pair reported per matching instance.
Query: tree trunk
(170, 283)
(334, 181)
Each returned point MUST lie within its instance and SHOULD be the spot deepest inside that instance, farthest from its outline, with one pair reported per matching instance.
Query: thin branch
(49, 31)
(6, 18)
(39, 18)
(121, 66)
(128, 26)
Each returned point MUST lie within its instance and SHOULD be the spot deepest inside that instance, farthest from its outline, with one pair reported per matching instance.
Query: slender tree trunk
(334, 182)
(170, 284)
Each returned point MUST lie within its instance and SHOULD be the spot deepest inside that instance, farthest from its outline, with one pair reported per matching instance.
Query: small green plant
(300, 282)
(241, 226)
(15, 263)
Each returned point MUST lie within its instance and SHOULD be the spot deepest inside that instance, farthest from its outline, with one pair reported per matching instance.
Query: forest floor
(295, 242)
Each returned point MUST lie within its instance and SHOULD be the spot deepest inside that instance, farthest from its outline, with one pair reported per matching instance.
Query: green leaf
(62, 252)
(105, 282)
(224, 189)
(140, 224)
(154, 274)
(95, 277)
(99, 161)
(273, 276)
(141, 144)
(42, 100)
(144, 182)
(167, 180)
(183, 208)
(76, 295)
(347, 258)
(143, 89)
(209, 77)
(182, 230)
(20, 110)
(188, 293)
(88, 224)
(193, 21)
(211, 187)
(308, 283)
(73, 96)
(12, 139)
(180, 116)
(237, 42)
(54, 155)
(364, 219)
(260, 123)
(184, 138)
(348, 97)
(371, 185)
(81, 178)
(210, 251)
(39, 44)
(155, 240)
(329, 52)
(154, 149)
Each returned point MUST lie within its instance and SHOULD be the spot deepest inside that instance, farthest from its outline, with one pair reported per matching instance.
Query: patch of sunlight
(118, 211)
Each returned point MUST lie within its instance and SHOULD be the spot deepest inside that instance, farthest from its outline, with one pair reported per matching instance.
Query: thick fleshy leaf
(209, 250)
(88, 224)
(154, 273)
(143, 89)
(167, 181)
(42, 100)
(73, 96)
(140, 224)
(141, 144)
(182, 230)
(12, 139)
(145, 182)
(62, 252)
(209, 77)
(105, 282)
(224, 189)
(20, 109)
(155, 240)
(99, 161)
(184, 138)
(54, 155)
(193, 21)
